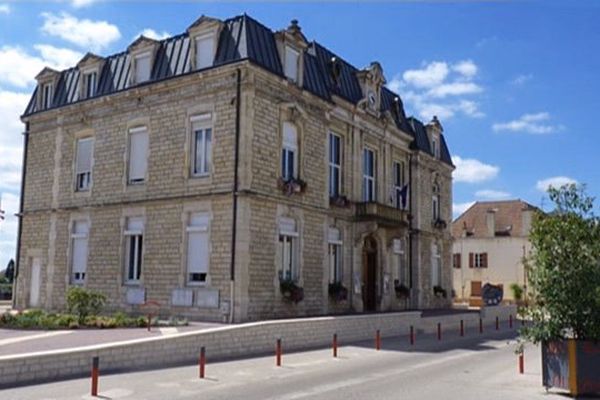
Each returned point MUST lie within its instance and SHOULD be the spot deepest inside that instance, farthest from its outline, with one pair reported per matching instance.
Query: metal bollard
(202, 362)
(510, 321)
(412, 335)
(377, 340)
(439, 326)
(95, 372)
(480, 325)
(521, 363)
(497, 323)
(462, 328)
(278, 353)
(335, 345)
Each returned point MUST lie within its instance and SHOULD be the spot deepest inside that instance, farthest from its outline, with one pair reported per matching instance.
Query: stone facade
(170, 193)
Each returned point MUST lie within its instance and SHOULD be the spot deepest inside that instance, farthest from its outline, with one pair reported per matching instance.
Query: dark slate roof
(243, 38)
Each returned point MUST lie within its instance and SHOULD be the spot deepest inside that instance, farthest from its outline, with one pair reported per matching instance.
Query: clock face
(372, 99)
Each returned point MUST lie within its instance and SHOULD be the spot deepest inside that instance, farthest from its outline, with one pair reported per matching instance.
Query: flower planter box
(573, 365)
(292, 292)
(338, 292)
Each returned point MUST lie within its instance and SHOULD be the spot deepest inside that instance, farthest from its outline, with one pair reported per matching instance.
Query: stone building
(232, 173)
(490, 240)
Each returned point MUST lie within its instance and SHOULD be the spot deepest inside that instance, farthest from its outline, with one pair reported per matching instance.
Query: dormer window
(89, 84)
(205, 50)
(292, 58)
(372, 99)
(46, 96)
(142, 67)
(435, 147)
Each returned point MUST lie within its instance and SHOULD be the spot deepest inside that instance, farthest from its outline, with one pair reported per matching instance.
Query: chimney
(490, 222)
(526, 216)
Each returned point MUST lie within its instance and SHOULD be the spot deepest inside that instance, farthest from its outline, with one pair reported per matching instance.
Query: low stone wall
(221, 343)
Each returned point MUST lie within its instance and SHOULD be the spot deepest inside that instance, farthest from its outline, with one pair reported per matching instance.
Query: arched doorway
(370, 274)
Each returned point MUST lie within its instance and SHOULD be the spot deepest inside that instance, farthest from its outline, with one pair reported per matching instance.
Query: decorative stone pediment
(371, 80)
(293, 35)
(204, 24)
(142, 43)
(435, 125)
(90, 60)
(208, 30)
(47, 74)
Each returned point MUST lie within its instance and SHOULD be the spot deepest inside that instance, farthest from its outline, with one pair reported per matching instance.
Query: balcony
(381, 213)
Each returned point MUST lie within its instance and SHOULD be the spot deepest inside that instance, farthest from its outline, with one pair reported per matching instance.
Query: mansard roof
(242, 38)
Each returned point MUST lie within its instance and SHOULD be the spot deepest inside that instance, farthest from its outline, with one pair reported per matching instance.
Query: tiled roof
(507, 214)
(242, 38)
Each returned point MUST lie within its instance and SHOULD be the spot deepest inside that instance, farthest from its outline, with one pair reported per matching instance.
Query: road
(475, 367)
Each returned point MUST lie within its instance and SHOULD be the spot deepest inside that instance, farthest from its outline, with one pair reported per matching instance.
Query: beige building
(232, 173)
(490, 240)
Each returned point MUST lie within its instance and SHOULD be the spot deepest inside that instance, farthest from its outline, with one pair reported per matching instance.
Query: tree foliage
(564, 269)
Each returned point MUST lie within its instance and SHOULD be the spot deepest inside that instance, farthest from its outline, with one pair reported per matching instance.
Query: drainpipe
(20, 214)
(235, 192)
(410, 224)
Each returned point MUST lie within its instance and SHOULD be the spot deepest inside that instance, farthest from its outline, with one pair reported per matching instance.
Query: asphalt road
(478, 367)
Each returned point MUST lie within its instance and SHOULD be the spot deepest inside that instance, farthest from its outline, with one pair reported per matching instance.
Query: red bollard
(497, 323)
(335, 345)
(202, 362)
(522, 321)
(377, 340)
(462, 328)
(412, 335)
(439, 331)
(521, 363)
(95, 372)
(278, 353)
(510, 321)
(480, 325)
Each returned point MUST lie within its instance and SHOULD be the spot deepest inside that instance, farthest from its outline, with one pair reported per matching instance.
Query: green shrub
(84, 303)
(517, 291)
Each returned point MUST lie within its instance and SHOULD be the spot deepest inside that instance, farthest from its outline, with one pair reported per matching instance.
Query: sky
(514, 83)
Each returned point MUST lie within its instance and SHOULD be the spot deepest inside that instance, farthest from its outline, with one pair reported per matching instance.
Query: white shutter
(287, 226)
(84, 155)
(138, 154)
(80, 245)
(290, 136)
(135, 226)
(398, 246)
(291, 63)
(199, 221)
(205, 48)
(142, 68)
(197, 252)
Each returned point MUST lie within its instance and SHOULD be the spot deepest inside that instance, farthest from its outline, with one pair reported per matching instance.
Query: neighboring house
(490, 240)
(202, 170)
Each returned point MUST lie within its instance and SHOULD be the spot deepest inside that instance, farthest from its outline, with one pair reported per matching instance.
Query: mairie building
(232, 173)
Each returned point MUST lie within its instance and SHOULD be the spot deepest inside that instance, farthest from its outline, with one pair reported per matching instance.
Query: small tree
(9, 273)
(84, 303)
(564, 269)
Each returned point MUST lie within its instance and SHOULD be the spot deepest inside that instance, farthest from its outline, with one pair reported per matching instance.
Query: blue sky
(515, 84)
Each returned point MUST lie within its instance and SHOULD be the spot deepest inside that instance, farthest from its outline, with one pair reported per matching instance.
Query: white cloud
(490, 194)
(4, 9)
(82, 3)
(152, 34)
(520, 80)
(440, 88)
(529, 123)
(19, 68)
(467, 68)
(459, 208)
(8, 228)
(555, 182)
(93, 35)
(470, 170)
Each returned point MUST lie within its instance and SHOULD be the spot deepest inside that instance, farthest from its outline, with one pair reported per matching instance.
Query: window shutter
(84, 155)
(142, 68)
(135, 224)
(197, 252)
(287, 226)
(290, 136)
(457, 260)
(79, 254)
(205, 48)
(471, 260)
(484, 260)
(333, 236)
(138, 154)
(291, 63)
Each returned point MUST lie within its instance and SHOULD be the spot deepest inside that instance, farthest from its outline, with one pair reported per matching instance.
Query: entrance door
(34, 290)
(370, 275)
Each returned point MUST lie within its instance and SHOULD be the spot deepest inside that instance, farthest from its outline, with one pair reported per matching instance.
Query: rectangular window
(197, 248)
(83, 164)
(436, 266)
(142, 67)
(434, 147)
(456, 260)
(435, 204)
(368, 175)
(205, 49)
(201, 145)
(399, 253)
(292, 56)
(398, 190)
(79, 251)
(289, 151)
(89, 81)
(478, 260)
(134, 235)
(138, 154)
(335, 255)
(47, 96)
(335, 165)
(288, 248)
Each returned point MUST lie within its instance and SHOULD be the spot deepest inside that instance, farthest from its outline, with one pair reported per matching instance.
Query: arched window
(289, 152)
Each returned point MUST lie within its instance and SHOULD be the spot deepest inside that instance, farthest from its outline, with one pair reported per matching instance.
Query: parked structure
(232, 172)
(490, 240)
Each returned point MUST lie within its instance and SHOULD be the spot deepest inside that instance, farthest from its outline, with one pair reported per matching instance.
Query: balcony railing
(381, 213)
